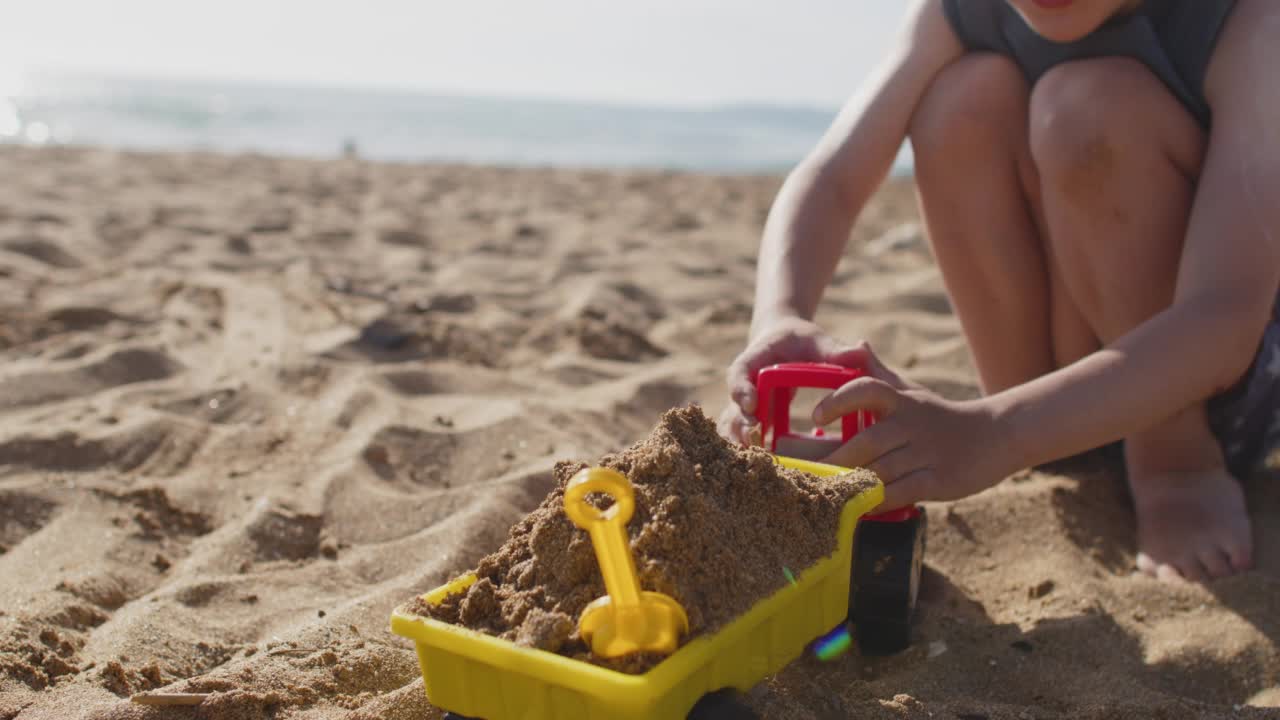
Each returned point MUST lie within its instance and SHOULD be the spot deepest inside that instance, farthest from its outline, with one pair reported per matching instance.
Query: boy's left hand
(922, 446)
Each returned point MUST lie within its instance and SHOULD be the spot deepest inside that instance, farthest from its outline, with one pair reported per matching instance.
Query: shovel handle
(607, 529)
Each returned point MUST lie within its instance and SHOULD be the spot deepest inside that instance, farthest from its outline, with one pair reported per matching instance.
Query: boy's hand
(922, 446)
(787, 340)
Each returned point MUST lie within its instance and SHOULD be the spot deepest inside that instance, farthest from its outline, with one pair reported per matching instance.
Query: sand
(248, 405)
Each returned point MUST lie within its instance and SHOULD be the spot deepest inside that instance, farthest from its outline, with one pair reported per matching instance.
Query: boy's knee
(1081, 110)
(966, 103)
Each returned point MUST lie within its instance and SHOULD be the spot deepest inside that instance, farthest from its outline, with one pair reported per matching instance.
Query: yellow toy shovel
(628, 619)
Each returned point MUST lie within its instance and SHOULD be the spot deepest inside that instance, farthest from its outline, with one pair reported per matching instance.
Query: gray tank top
(1174, 38)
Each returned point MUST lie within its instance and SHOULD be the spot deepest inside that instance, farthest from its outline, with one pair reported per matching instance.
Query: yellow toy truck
(870, 581)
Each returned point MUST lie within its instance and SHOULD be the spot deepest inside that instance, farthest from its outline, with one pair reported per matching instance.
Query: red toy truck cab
(889, 550)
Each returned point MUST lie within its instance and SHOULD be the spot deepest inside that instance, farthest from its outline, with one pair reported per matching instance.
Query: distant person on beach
(1100, 180)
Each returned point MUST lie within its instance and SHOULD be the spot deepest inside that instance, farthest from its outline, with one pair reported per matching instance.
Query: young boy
(1100, 180)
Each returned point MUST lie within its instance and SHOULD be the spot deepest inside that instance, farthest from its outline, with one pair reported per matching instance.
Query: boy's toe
(1191, 569)
(1215, 562)
(1240, 555)
(1146, 565)
(1168, 573)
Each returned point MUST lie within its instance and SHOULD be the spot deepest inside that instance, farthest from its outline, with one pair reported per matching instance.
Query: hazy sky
(651, 51)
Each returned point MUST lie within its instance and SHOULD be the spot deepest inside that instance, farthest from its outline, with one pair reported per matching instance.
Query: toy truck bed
(480, 676)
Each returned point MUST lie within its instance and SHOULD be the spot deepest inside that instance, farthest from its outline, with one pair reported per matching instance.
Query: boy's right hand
(790, 339)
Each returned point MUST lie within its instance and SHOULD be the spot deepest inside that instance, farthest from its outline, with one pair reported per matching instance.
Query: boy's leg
(979, 197)
(1118, 158)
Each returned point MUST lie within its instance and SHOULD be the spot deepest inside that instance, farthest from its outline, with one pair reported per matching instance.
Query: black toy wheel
(888, 557)
(719, 705)
(722, 705)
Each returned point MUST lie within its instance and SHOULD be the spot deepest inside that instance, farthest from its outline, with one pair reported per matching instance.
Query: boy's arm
(1227, 280)
(810, 221)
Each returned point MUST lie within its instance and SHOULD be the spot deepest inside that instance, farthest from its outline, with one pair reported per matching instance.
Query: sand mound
(250, 405)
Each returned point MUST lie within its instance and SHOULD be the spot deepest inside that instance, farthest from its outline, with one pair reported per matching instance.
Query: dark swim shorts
(1246, 418)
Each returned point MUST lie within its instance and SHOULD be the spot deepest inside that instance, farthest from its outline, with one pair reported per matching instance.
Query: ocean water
(172, 114)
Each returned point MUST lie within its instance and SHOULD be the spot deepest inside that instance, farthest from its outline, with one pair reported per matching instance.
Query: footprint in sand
(222, 406)
(159, 447)
(452, 380)
(120, 367)
(609, 321)
(42, 250)
(21, 514)
(405, 336)
(412, 457)
(280, 533)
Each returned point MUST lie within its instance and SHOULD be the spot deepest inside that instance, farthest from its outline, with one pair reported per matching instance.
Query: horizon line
(109, 74)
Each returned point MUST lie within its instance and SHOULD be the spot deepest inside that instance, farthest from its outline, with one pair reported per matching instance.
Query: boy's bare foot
(1192, 520)
(1191, 524)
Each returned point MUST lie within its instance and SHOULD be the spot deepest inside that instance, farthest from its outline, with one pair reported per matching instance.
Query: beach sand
(249, 405)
